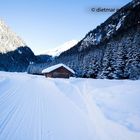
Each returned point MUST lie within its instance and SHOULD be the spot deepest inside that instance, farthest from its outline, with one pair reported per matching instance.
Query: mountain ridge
(110, 29)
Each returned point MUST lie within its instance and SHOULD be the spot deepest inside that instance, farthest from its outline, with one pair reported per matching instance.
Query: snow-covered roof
(49, 69)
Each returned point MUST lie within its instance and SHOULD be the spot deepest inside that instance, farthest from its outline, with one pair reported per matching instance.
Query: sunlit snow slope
(62, 48)
(9, 41)
(37, 108)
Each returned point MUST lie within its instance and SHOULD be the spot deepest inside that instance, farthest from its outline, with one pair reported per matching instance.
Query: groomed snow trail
(32, 108)
(39, 108)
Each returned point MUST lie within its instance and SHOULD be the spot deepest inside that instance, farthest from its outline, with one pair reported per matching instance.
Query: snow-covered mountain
(62, 48)
(113, 25)
(9, 41)
(112, 50)
(14, 53)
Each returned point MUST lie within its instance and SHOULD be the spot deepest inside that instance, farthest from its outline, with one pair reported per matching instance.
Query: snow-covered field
(39, 108)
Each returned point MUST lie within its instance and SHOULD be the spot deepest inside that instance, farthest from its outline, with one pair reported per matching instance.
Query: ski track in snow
(39, 108)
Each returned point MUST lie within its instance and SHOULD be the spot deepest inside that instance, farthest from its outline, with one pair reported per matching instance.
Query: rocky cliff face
(14, 54)
(111, 51)
(9, 41)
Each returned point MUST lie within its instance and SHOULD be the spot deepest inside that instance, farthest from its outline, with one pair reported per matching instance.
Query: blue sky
(45, 24)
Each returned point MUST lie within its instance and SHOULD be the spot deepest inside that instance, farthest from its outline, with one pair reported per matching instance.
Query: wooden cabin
(58, 71)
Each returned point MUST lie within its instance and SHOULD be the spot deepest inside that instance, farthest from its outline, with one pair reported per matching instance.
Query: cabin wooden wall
(59, 73)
